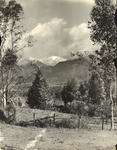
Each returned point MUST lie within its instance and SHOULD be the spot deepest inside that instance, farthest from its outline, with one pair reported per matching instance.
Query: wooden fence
(37, 117)
(53, 119)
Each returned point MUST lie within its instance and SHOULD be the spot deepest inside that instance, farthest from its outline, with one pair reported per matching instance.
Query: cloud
(82, 1)
(81, 38)
(47, 29)
(34, 1)
(79, 32)
(54, 38)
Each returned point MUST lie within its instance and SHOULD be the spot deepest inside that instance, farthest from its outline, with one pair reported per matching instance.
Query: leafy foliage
(11, 28)
(96, 89)
(102, 25)
(103, 32)
(10, 58)
(83, 92)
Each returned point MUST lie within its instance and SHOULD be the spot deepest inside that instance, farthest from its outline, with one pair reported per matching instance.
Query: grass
(26, 114)
(58, 139)
(90, 137)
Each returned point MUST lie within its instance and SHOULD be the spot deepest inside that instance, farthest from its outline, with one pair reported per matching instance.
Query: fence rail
(37, 117)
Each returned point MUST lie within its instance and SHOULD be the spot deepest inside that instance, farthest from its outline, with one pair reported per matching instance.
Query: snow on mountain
(31, 59)
(53, 60)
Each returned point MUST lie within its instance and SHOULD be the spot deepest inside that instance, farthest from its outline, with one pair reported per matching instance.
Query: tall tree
(103, 32)
(68, 92)
(9, 61)
(11, 31)
(96, 89)
(38, 92)
(83, 92)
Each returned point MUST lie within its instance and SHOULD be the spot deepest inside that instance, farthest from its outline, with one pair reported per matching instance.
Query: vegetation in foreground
(59, 138)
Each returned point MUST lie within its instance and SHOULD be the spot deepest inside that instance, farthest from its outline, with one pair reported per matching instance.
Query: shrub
(64, 123)
(23, 124)
(2, 116)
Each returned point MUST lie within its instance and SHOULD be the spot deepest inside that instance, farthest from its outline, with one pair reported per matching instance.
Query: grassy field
(57, 139)
(88, 137)
(26, 114)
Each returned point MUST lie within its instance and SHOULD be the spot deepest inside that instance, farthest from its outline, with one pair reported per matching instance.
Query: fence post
(34, 118)
(79, 120)
(46, 119)
(54, 119)
(102, 123)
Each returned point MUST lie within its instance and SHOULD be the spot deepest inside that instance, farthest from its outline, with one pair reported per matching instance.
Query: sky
(58, 27)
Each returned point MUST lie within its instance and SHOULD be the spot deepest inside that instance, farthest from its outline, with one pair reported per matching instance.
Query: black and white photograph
(58, 74)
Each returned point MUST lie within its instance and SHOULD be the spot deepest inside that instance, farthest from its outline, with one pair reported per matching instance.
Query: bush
(6, 147)
(64, 123)
(23, 124)
(2, 116)
(62, 108)
(40, 123)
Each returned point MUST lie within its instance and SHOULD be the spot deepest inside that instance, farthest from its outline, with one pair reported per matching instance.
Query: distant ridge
(58, 74)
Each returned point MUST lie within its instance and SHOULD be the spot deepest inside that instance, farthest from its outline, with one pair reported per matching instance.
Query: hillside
(63, 71)
(58, 74)
(55, 75)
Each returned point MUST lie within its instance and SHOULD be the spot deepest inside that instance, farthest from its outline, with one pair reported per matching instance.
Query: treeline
(78, 98)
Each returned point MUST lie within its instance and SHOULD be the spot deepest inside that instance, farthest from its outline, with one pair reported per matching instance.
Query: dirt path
(32, 143)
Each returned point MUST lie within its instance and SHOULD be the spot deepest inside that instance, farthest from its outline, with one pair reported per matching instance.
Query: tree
(102, 23)
(11, 31)
(103, 32)
(80, 108)
(38, 92)
(83, 92)
(10, 28)
(96, 90)
(97, 95)
(69, 91)
(9, 61)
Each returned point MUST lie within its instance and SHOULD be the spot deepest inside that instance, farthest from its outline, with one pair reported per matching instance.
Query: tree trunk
(112, 110)
(4, 97)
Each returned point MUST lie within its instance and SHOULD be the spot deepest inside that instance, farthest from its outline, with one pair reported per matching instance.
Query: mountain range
(59, 73)
(50, 61)
(53, 60)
